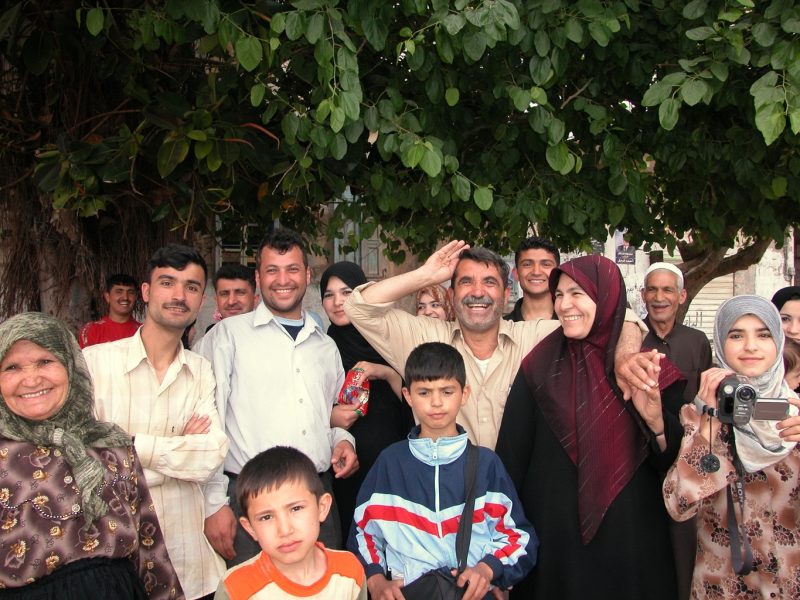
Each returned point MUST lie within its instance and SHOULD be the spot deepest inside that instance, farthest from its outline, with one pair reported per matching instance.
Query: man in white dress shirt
(163, 396)
(278, 375)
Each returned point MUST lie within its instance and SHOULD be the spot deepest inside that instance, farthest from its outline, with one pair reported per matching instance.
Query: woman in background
(388, 419)
(432, 301)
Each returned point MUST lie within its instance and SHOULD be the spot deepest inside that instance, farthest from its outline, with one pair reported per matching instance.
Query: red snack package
(355, 391)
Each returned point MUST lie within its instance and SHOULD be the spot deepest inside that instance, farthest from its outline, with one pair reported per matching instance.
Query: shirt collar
(439, 452)
(137, 354)
(263, 316)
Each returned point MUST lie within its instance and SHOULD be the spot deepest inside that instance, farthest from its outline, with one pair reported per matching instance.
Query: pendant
(709, 463)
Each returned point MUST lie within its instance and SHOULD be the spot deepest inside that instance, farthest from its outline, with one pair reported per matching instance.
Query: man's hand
(197, 424)
(381, 588)
(477, 579)
(220, 529)
(637, 370)
(441, 265)
(344, 460)
(343, 415)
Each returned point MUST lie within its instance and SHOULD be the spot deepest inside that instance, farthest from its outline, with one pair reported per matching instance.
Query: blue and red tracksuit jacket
(410, 504)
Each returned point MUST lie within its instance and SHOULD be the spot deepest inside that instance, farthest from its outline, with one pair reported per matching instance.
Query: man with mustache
(689, 349)
(278, 375)
(163, 396)
(492, 347)
(120, 295)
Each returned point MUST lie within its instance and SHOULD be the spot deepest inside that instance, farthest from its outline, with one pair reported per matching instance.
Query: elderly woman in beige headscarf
(76, 517)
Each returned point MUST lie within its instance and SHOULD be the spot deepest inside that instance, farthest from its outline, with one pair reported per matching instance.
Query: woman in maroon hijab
(587, 464)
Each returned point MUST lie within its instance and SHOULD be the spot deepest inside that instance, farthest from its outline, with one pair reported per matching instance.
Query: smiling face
(435, 405)
(533, 271)
(174, 297)
(121, 299)
(478, 295)
(662, 297)
(749, 348)
(574, 308)
(428, 306)
(283, 279)
(33, 383)
(285, 522)
(234, 297)
(333, 301)
(790, 319)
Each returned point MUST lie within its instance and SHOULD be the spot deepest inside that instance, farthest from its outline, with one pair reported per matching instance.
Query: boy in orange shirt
(280, 492)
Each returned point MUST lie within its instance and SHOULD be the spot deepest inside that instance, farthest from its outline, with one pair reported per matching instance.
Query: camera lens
(746, 393)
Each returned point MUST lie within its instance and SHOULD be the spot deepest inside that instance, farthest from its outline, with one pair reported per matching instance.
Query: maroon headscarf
(574, 384)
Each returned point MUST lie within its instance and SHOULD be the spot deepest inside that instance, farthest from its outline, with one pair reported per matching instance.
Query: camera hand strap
(741, 553)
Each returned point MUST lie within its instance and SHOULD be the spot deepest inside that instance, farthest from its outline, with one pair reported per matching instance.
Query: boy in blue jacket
(409, 505)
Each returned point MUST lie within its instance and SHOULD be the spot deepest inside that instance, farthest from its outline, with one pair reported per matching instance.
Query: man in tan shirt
(492, 347)
(163, 396)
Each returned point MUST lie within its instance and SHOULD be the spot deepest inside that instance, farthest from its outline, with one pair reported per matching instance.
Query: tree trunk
(701, 265)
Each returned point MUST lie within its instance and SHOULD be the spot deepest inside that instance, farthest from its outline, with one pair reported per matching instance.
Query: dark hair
(273, 468)
(121, 279)
(488, 258)
(177, 257)
(784, 295)
(537, 243)
(282, 240)
(236, 271)
(791, 355)
(435, 360)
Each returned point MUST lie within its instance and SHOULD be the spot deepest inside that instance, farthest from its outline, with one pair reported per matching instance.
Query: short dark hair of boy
(435, 360)
(236, 271)
(177, 257)
(791, 355)
(490, 258)
(120, 279)
(537, 243)
(273, 468)
(282, 240)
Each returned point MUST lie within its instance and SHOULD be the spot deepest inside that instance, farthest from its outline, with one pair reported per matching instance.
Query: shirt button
(68, 479)
(76, 508)
(301, 400)
(304, 431)
(297, 370)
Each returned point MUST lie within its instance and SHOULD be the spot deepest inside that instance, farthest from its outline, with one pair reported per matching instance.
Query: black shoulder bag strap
(465, 525)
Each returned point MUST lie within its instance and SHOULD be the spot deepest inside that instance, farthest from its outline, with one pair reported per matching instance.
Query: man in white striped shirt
(163, 396)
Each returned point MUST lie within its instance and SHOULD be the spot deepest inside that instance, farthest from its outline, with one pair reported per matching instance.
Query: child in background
(410, 503)
(281, 493)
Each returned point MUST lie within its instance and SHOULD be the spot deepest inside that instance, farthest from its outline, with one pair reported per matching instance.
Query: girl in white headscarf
(742, 480)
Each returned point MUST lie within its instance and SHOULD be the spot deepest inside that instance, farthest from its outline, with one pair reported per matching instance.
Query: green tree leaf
(451, 96)
(764, 34)
(338, 146)
(248, 52)
(693, 90)
(483, 197)
(474, 45)
(461, 187)
(574, 30)
(431, 162)
(557, 156)
(770, 121)
(454, 22)
(656, 94)
(337, 119)
(257, 94)
(95, 19)
(413, 154)
(668, 113)
(695, 9)
(699, 34)
(315, 27)
(170, 155)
